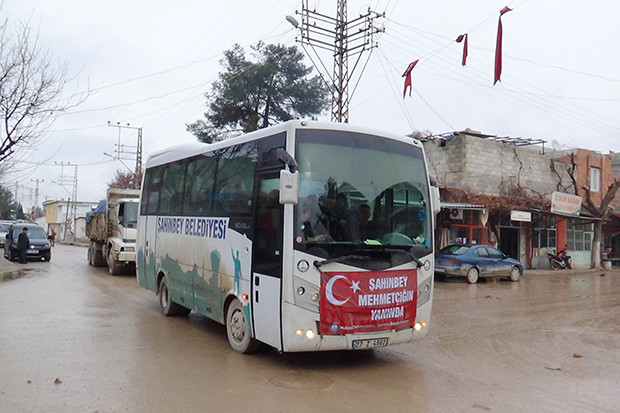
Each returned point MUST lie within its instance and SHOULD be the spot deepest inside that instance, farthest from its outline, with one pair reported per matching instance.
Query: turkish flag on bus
(366, 301)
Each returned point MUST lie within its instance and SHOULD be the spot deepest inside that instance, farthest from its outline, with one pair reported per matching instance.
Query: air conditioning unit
(456, 214)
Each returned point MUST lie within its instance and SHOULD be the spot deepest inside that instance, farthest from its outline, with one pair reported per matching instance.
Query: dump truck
(111, 228)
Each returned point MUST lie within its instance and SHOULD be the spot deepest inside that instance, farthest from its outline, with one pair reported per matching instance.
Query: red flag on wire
(498, 46)
(463, 38)
(407, 76)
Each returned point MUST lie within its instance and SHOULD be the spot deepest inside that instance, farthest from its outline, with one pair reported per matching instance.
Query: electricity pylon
(121, 149)
(346, 39)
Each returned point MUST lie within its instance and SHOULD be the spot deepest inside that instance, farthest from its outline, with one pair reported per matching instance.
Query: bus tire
(472, 275)
(168, 307)
(183, 311)
(238, 329)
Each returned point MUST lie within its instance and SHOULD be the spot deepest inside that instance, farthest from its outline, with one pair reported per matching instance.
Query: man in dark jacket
(22, 245)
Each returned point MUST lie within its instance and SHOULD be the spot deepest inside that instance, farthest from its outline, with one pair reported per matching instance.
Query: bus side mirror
(289, 187)
(435, 201)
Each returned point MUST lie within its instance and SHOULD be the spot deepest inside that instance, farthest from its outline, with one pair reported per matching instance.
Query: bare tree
(126, 180)
(31, 88)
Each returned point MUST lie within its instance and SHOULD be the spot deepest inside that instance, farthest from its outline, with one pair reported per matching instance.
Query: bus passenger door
(267, 263)
(146, 244)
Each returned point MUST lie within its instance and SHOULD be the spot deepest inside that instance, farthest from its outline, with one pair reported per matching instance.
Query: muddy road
(75, 339)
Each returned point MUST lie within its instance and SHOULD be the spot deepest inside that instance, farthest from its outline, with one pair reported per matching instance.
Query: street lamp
(292, 21)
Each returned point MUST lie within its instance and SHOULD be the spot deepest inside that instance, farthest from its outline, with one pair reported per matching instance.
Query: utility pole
(345, 39)
(36, 195)
(19, 197)
(36, 190)
(72, 202)
(120, 150)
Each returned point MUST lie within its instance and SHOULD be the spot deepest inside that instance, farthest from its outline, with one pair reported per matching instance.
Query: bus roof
(183, 151)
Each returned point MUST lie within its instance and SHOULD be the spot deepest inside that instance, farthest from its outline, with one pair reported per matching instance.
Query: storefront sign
(565, 204)
(522, 216)
(364, 301)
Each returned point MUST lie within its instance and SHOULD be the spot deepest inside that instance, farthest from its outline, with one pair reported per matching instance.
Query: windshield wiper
(409, 253)
(318, 264)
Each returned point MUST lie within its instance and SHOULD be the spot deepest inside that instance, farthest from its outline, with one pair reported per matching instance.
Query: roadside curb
(573, 271)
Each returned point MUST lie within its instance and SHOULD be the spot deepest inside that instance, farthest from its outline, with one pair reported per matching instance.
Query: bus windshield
(360, 191)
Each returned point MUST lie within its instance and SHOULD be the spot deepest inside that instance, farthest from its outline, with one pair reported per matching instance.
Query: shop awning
(460, 205)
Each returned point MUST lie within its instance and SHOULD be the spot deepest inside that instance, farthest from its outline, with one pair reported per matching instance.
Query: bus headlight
(310, 334)
(306, 294)
(419, 326)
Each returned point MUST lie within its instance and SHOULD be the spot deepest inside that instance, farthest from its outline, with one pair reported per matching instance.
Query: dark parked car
(473, 261)
(39, 247)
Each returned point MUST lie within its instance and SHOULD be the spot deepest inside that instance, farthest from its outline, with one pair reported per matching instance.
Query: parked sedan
(473, 261)
(39, 247)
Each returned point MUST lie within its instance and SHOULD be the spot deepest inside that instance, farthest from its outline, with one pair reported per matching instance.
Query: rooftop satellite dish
(556, 145)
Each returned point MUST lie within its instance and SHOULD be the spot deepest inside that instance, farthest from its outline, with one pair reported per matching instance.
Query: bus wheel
(183, 311)
(238, 329)
(472, 275)
(168, 307)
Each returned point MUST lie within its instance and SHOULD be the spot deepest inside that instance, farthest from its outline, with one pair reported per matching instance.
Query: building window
(543, 231)
(595, 179)
(467, 232)
(578, 236)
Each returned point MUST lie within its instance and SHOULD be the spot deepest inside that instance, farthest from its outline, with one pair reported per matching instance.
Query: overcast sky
(149, 63)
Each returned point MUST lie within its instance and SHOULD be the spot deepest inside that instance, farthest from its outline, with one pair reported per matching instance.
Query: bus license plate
(371, 343)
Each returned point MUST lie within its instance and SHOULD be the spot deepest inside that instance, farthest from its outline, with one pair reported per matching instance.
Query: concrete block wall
(489, 167)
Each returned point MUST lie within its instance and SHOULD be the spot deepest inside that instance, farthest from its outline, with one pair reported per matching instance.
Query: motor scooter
(560, 260)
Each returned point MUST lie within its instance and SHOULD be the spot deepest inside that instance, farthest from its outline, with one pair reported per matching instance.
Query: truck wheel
(168, 307)
(114, 267)
(98, 260)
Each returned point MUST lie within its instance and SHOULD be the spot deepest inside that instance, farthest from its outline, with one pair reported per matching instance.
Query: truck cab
(112, 228)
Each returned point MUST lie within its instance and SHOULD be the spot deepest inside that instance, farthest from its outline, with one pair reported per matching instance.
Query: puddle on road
(19, 273)
(297, 380)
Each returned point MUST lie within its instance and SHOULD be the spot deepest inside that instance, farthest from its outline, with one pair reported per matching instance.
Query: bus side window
(199, 186)
(154, 190)
(235, 180)
(172, 192)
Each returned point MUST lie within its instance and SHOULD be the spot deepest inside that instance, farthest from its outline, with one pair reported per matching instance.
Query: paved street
(75, 339)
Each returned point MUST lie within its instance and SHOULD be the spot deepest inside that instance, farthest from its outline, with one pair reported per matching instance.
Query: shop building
(516, 194)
